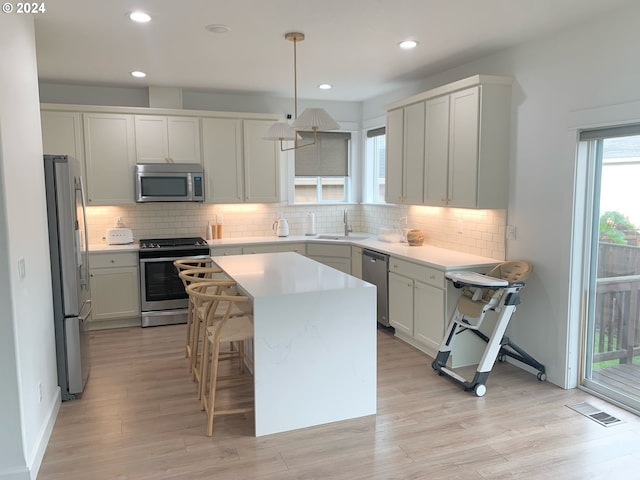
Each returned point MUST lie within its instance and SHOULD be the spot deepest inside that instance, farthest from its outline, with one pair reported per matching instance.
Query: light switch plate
(22, 268)
(511, 232)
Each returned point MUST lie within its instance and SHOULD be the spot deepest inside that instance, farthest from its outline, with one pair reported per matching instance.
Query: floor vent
(595, 414)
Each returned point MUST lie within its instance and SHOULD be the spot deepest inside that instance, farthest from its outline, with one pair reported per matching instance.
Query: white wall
(27, 349)
(593, 65)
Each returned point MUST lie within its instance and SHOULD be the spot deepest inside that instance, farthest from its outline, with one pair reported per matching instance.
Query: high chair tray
(475, 279)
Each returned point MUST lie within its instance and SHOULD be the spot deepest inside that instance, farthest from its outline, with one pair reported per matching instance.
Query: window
(375, 164)
(322, 170)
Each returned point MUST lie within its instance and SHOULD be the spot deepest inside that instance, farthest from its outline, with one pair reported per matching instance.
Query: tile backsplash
(480, 232)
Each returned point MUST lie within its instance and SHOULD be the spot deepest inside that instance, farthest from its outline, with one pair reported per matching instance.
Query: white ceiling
(352, 44)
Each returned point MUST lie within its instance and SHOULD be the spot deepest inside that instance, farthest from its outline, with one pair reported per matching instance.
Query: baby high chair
(499, 290)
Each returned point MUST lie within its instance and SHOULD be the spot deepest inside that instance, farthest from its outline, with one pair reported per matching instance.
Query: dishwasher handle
(375, 256)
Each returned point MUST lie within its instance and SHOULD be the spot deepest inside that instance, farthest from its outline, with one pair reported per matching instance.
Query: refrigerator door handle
(84, 279)
(87, 304)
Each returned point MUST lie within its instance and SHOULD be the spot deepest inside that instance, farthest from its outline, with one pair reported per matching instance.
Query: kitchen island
(314, 340)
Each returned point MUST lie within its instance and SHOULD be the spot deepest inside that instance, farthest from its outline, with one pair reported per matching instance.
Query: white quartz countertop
(436, 257)
(105, 247)
(284, 273)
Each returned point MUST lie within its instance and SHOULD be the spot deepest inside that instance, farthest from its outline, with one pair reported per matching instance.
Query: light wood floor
(139, 420)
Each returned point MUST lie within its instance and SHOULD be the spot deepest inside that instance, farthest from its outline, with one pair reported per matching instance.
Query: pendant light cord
(295, 79)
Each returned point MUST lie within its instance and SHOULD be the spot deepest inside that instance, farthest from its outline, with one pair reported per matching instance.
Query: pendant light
(311, 119)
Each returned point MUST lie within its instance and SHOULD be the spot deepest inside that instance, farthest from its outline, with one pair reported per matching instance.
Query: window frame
(371, 167)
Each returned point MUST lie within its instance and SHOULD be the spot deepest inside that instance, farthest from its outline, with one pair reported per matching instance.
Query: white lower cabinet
(417, 298)
(356, 262)
(336, 256)
(115, 290)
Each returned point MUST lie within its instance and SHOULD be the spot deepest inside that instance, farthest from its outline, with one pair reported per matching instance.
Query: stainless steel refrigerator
(69, 271)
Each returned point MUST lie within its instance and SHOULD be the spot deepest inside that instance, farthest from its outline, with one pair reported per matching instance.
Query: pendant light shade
(311, 119)
(315, 119)
(281, 131)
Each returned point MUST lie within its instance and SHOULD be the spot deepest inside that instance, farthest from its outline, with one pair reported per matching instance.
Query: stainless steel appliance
(375, 270)
(169, 182)
(162, 297)
(69, 271)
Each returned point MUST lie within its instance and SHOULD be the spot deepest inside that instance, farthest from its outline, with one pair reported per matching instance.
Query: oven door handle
(170, 259)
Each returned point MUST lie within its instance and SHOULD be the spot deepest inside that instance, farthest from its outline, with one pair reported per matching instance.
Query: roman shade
(610, 132)
(329, 157)
(376, 132)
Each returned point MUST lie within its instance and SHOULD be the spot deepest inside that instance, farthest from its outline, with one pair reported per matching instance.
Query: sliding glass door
(612, 332)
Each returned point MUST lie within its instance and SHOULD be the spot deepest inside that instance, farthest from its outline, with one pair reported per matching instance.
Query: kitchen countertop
(435, 257)
(105, 247)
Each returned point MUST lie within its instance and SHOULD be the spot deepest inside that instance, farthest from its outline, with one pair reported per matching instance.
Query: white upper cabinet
(413, 165)
(109, 147)
(261, 163)
(463, 145)
(394, 156)
(222, 158)
(239, 164)
(464, 136)
(436, 138)
(62, 135)
(161, 139)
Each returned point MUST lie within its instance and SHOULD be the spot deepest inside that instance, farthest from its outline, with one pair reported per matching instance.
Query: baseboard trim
(34, 463)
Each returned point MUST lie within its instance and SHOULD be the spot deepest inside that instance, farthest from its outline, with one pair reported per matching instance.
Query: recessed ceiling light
(408, 44)
(324, 86)
(138, 74)
(140, 17)
(217, 28)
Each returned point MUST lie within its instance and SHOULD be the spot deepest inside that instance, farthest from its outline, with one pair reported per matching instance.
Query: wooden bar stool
(222, 327)
(183, 264)
(205, 312)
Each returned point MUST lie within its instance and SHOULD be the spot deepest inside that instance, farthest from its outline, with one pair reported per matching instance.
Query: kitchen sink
(342, 237)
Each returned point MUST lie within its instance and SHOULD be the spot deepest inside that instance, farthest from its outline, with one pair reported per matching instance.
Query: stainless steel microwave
(169, 182)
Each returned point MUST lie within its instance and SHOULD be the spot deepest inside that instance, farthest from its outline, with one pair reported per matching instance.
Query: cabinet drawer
(274, 248)
(428, 275)
(328, 250)
(220, 251)
(109, 259)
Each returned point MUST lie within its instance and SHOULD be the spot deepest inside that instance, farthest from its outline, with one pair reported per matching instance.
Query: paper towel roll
(310, 228)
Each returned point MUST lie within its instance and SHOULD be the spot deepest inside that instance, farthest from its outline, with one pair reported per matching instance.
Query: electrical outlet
(459, 223)
(511, 232)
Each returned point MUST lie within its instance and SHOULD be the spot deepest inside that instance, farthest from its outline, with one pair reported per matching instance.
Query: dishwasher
(375, 270)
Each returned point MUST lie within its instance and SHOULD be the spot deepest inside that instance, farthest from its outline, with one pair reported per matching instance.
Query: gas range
(183, 243)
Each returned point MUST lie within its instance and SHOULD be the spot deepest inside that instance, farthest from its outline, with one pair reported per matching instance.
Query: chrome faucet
(345, 219)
